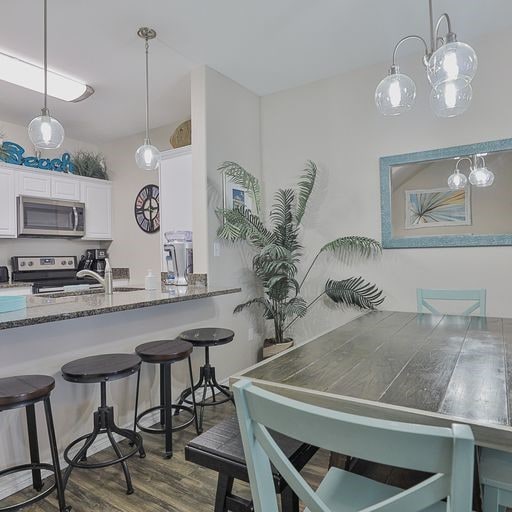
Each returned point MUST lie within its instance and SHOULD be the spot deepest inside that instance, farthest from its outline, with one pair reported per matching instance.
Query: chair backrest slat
(437, 450)
(477, 296)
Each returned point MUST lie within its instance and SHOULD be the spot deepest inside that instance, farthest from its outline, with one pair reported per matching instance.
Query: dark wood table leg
(224, 488)
(289, 501)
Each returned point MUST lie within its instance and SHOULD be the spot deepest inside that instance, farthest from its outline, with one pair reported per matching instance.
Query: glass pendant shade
(481, 177)
(453, 61)
(457, 181)
(45, 132)
(451, 99)
(395, 94)
(147, 157)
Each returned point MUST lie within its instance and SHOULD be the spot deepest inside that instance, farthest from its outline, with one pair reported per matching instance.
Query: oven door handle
(75, 217)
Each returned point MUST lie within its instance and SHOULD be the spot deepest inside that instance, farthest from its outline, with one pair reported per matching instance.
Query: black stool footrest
(208, 402)
(135, 441)
(40, 495)
(175, 428)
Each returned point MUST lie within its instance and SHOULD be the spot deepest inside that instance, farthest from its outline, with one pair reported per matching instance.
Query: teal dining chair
(448, 453)
(495, 471)
(476, 297)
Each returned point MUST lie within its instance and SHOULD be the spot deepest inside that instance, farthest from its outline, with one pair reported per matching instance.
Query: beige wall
(35, 246)
(335, 123)
(226, 126)
(132, 247)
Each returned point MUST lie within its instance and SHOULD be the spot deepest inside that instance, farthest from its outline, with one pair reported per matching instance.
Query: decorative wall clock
(147, 209)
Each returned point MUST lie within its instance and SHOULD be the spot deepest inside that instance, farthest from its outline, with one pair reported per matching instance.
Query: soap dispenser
(152, 282)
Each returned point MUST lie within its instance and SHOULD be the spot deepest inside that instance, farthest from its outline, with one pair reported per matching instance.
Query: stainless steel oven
(49, 217)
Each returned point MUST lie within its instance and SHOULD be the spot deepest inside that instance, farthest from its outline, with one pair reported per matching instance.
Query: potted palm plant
(279, 252)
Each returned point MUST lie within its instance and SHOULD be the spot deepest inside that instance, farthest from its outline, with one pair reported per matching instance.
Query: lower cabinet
(8, 228)
(97, 197)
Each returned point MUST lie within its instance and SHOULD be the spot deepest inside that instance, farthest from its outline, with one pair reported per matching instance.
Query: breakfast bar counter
(54, 307)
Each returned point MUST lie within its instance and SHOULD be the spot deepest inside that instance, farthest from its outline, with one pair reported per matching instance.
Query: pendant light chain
(45, 30)
(147, 89)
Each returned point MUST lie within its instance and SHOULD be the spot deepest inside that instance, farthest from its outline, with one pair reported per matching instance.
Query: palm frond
(354, 292)
(262, 301)
(239, 176)
(305, 185)
(296, 306)
(353, 248)
(241, 224)
(285, 230)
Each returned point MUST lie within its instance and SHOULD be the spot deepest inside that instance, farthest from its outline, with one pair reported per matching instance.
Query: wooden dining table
(410, 367)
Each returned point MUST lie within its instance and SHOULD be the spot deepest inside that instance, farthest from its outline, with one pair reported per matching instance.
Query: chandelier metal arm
(407, 38)
(462, 159)
(450, 36)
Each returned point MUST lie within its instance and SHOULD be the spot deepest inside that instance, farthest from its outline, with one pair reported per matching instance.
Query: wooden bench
(220, 449)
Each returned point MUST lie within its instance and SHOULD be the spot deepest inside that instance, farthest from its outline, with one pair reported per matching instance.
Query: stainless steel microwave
(49, 217)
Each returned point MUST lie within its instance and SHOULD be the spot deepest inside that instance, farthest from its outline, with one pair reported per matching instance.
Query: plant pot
(271, 348)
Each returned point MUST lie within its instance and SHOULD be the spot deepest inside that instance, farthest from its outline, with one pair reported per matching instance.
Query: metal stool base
(166, 408)
(104, 424)
(207, 381)
(40, 495)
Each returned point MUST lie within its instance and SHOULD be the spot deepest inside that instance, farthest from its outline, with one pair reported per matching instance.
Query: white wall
(35, 246)
(335, 123)
(225, 126)
(132, 247)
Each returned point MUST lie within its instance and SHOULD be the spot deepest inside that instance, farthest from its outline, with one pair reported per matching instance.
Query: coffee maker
(94, 259)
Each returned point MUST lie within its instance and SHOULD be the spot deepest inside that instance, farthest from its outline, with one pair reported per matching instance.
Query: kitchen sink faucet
(106, 282)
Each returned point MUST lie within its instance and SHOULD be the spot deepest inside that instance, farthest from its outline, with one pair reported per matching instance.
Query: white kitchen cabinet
(175, 193)
(65, 187)
(8, 228)
(33, 184)
(97, 196)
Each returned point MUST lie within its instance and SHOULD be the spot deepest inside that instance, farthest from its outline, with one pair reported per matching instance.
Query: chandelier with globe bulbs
(451, 66)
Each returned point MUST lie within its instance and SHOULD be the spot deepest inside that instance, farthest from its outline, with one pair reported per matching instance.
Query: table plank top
(419, 368)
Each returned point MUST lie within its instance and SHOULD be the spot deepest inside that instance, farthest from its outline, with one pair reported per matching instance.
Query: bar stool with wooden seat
(165, 353)
(26, 391)
(102, 369)
(207, 337)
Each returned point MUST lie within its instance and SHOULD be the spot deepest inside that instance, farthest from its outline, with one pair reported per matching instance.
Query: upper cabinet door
(97, 197)
(33, 184)
(8, 228)
(64, 187)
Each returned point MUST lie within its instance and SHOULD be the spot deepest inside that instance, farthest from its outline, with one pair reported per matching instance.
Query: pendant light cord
(147, 89)
(45, 55)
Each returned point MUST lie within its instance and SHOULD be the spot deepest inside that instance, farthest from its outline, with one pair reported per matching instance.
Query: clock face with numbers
(147, 209)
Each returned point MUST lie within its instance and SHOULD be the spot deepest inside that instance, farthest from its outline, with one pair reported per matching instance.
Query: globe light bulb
(457, 180)
(451, 98)
(481, 177)
(452, 61)
(45, 132)
(147, 157)
(395, 94)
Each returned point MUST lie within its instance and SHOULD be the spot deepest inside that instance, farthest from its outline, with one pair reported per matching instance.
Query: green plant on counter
(279, 251)
(89, 164)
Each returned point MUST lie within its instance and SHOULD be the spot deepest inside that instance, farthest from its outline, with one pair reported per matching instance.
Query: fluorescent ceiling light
(30, 76)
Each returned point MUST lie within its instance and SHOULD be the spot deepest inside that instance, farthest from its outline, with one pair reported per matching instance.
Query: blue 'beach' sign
(15, 156)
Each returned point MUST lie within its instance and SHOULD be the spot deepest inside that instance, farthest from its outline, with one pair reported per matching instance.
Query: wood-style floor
(175, 485)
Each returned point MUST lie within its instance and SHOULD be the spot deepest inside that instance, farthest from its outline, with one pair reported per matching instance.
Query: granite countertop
(16, 284)
(64, 306)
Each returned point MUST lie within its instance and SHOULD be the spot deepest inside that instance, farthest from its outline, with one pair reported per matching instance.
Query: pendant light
(44, 131)
(479, 176)
(450, 66)
(147, 156)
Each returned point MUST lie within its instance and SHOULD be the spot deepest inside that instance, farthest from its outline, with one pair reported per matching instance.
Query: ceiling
(265, 45)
